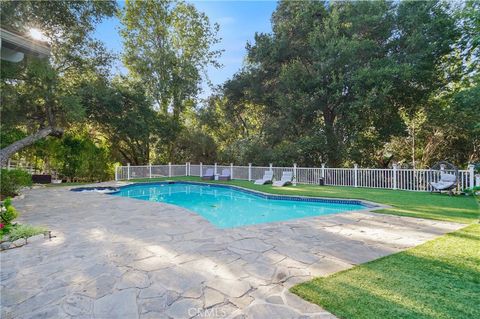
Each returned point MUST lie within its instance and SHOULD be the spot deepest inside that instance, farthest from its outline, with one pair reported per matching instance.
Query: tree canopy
(42, 97)
(168, 45)
(336, 82)
(344, 82)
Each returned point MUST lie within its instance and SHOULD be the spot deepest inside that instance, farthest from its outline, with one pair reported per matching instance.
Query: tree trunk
(11, 149)
(333, 147)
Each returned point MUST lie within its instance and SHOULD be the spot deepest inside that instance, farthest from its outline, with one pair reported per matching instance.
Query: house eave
(14, 46)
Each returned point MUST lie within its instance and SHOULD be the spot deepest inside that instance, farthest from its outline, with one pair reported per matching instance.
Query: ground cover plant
(10, 231)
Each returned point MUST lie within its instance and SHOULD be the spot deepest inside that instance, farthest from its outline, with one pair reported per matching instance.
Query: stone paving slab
(115, 257)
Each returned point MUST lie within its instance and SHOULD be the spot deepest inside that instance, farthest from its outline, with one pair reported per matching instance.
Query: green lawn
(439, 279)
(459, 209)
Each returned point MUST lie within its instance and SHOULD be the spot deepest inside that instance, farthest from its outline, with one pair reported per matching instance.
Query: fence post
(186, 168)
(169, 169)
(394, 176)
(149, 170)
(116, 172)
(215, 169)
(355, 176)
(471, 176)
(128, 171)
(271, 167)
(201, 170)
(294, 174)
(323, 170)
(249, 171)
(231, 170)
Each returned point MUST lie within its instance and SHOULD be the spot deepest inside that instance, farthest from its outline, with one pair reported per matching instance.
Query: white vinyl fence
(388, 178)
(25, 166)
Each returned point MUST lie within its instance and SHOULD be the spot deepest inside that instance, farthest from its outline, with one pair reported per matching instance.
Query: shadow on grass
(440, 279)
(475, 237)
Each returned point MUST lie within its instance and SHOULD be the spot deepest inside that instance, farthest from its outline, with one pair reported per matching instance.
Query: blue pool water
(229, 207)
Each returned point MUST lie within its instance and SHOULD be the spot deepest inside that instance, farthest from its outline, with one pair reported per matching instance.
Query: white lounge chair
(447, 182)
(287, 178)
(208, 175)
(225, 176)
(267, 178)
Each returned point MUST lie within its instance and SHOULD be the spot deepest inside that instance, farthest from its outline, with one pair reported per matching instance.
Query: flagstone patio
(115, 257)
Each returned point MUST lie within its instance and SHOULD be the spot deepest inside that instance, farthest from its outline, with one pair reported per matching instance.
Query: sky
(238, 20)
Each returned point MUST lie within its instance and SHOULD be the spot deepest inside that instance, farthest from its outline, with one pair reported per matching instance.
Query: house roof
(14, 46)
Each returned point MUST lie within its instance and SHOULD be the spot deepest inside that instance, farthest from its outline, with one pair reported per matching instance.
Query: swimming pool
(227, 206)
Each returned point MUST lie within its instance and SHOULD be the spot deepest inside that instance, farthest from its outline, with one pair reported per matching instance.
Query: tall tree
(122, 112)
(340, 72)
(168, 46)
(320, 65)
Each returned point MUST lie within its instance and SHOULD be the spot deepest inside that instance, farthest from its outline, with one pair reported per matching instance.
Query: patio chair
(447, 182)
(267, 178)
(225, 176)
(208, 175)
(287, 178)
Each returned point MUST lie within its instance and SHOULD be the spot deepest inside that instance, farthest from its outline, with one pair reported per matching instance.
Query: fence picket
(391, 178)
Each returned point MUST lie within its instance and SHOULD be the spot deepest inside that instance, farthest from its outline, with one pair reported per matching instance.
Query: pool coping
(369, 205)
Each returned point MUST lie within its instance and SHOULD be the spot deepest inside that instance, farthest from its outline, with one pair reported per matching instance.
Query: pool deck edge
(370, 206)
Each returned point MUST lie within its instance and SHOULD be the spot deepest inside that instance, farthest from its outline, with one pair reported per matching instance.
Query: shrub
(471, 191)
(7, 212)
(11, 181)
(78, 157)
(15, 231)
(24, 231)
